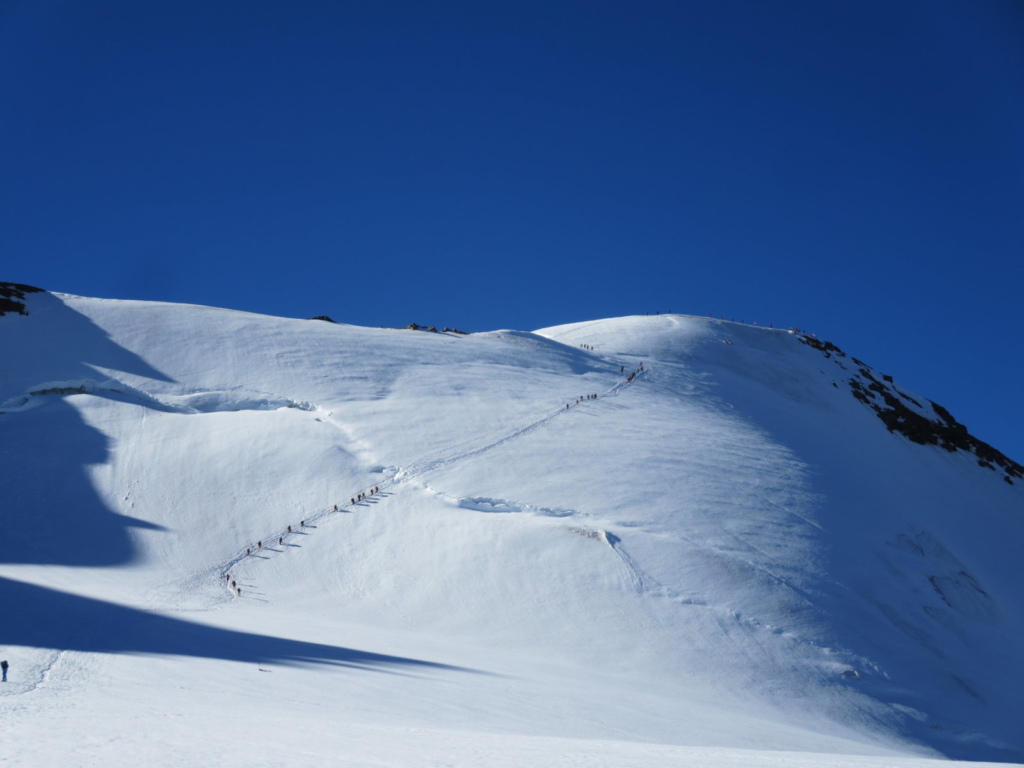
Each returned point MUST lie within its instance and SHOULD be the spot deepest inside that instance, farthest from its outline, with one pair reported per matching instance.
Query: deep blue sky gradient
(852, 168)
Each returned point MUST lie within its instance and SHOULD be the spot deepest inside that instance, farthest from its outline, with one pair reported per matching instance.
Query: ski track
(639, 579)
(41, 678)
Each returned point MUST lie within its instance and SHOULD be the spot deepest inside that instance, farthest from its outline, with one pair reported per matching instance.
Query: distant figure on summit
(3, 667)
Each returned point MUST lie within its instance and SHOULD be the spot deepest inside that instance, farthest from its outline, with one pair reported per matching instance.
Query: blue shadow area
(52, 514)
(53, 343)
(44, 618)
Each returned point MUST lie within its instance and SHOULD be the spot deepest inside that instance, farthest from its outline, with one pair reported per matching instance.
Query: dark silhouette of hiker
(290, 528)
(303, 524)
(3, 668)
(233, 585)
(280, 542)
(248, 551)
(259, 545)
(335, 509)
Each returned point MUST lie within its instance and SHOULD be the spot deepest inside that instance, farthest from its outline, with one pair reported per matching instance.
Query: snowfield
(642, 541)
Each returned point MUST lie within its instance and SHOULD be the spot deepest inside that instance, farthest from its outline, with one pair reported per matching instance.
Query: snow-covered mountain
(659, 540)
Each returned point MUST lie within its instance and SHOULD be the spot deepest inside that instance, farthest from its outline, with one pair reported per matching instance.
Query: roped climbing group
(232, 584)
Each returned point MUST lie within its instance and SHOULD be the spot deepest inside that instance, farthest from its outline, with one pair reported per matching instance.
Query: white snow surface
(727, 560)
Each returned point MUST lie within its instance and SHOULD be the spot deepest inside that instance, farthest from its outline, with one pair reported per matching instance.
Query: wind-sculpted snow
(194, 403)
(669, 531)
(510, 507)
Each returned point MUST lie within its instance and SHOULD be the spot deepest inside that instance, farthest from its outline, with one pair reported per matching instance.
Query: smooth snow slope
(727, 552)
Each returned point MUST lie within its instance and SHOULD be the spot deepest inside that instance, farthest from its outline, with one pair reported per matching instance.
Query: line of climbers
(622, 369)
(233, 585)
(237, 590)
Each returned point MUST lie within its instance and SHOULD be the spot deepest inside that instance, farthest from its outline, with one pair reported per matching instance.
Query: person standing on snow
(3, 667)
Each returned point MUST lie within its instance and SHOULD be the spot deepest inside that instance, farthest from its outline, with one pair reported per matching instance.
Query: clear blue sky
(852, 168)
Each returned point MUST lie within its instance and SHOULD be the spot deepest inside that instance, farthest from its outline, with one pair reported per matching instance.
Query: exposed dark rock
(431, 328)
(908, 398)
(324, 318)
(862, 394)
(11, 295)
(945, 415)
(826, 347)
(945, 431)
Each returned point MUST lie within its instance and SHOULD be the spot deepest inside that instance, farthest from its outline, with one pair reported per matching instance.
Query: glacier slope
(727, 550)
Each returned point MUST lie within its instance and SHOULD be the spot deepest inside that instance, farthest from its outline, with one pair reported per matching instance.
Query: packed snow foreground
(231, 539)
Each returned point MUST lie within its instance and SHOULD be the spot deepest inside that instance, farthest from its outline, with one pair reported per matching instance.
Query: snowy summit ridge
(653, 540)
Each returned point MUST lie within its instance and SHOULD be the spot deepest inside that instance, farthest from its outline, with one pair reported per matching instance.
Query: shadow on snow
(53, 513)
(45, 618)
